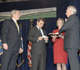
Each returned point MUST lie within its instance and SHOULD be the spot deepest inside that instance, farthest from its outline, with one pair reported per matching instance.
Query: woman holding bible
(60, 56)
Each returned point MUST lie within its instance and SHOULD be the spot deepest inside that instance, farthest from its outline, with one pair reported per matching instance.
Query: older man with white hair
(71, 38)
(11, 41)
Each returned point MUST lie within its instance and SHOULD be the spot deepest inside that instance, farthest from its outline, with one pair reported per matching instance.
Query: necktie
(17, 26)
(40, 31)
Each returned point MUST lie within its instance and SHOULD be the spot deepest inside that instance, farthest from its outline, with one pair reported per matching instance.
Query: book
(53, 34)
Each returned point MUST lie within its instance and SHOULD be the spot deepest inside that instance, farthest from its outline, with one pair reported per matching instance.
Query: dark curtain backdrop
(50, 24)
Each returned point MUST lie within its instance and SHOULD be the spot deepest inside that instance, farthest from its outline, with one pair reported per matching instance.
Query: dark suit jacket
(71, 28)
(10, 35)
(37, 47)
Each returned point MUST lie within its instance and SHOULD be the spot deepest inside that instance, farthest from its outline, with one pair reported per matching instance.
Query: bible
(53, 34)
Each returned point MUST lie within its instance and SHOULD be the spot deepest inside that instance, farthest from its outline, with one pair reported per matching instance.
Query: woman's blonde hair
(61, 20)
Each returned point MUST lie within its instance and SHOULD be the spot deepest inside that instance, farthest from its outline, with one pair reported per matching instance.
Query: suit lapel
(39, 31)
(13, 23)
(43, 32)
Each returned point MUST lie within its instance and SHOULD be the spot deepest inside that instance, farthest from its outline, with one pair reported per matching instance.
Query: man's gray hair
(73, 9)
(13, 12)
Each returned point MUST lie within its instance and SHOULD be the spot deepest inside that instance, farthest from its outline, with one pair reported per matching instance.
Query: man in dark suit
(11, 41)
(71, 38)
(38, 51)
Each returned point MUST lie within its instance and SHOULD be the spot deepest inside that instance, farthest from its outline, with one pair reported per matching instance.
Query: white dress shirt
(42, 34)
(41, 30)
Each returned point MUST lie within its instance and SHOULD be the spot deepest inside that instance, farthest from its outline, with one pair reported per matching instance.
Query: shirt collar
(14, 20)
(38, 27)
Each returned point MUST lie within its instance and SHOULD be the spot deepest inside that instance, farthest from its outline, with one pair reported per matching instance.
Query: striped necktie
(40, 31)
(17, 26)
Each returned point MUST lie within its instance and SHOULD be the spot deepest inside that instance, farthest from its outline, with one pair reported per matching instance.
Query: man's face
(17, 15)
(68, 12)
(40, 24)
